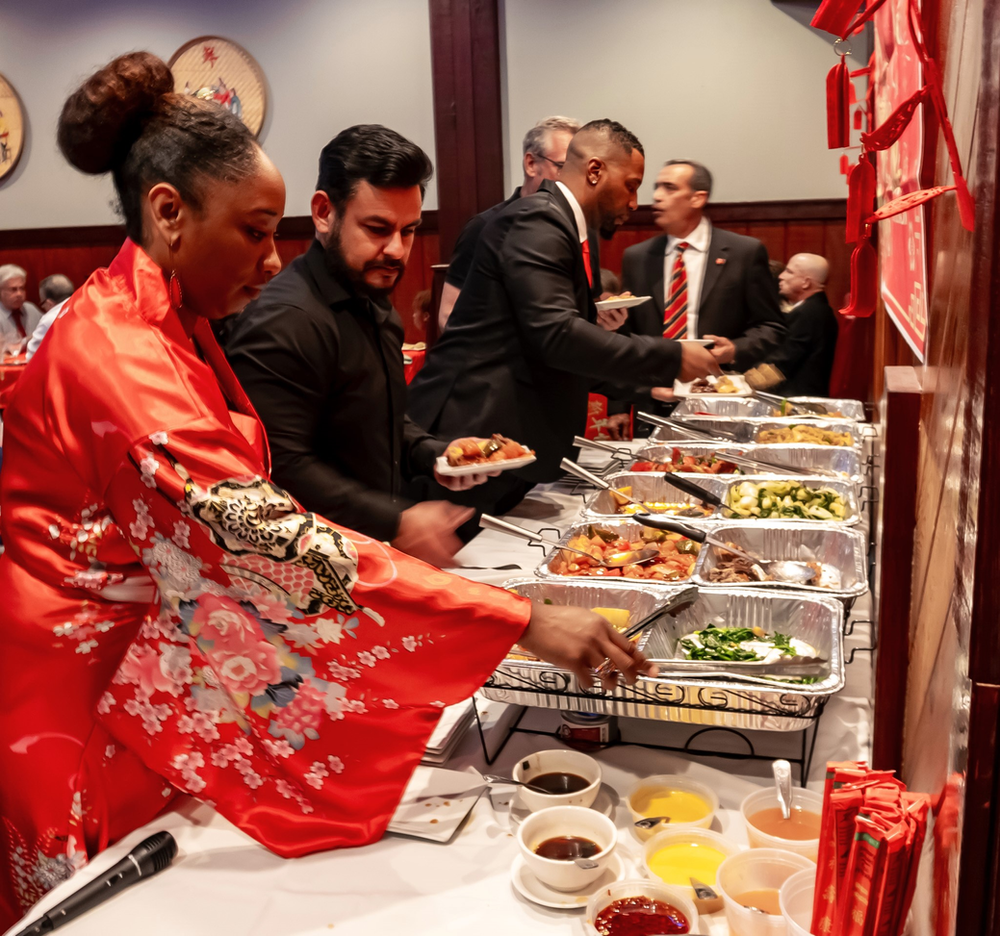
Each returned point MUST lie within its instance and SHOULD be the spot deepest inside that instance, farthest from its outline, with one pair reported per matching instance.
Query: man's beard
(355, 278)
(608, 229)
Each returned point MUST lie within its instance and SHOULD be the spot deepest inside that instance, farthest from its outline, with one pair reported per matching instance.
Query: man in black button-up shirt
(320, 353)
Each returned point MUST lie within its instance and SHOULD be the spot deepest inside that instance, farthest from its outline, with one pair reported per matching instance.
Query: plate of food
(726, 385)
(474, 456)
(704, 342)
(624, 301)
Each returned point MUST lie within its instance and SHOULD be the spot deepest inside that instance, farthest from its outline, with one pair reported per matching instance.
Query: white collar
(581, 221)
(698, 239)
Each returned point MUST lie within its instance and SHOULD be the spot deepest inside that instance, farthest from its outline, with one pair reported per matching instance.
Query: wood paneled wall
(785, 228)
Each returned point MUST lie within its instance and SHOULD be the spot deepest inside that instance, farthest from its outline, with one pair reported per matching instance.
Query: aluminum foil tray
(640, 600)
(846, 489)
(844, 550)
(854, 429)
(845, 461)
(708, 702)
(730, 408)
(853, 410)
(651, 486)
(630, 530)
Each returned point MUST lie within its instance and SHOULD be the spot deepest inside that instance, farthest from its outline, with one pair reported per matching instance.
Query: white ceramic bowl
(672, 836)
(768, 799)
(672, 782)
(796, 901)
(624, 889)
(757, 869)
(566, 820)
(557, 761)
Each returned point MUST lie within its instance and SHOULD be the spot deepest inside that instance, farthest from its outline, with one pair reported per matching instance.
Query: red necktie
(16, 315)
(675, 314)
(586, 262)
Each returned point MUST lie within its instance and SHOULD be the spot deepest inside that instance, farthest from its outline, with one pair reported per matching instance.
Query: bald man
(523, 347)
(806, 356)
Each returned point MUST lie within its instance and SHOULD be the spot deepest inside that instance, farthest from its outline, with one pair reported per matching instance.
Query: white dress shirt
(30, 317)
(695, 261)
(42, 328)
(581, 221)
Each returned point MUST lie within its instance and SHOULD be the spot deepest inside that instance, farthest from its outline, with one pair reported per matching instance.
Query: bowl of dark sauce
(551, 840)
(568, 778)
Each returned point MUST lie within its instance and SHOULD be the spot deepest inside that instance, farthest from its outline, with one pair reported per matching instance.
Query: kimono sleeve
(295, 670)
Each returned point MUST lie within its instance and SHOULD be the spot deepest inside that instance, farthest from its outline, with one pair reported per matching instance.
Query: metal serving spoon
(804, 408)
(495, 778)
(650, 821)
(615, 561)
(712, 434)
(783, 569)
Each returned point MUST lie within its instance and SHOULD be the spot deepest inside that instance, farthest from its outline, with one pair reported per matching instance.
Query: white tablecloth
(224, 883)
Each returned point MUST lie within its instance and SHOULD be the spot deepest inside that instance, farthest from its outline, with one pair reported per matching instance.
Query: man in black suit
(806, 356)
(731, 297)
(522, 349)
(543, 155)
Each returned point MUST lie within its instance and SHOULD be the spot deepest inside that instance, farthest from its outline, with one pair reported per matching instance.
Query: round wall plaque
(219, 70)
(11, 128)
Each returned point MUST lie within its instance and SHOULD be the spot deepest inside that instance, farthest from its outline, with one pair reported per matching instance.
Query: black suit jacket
(323, 367)
(522, 350)
(806, 357)
(739, 297)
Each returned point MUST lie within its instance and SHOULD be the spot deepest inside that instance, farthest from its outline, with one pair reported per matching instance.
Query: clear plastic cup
(672, 836)
(796, 901)
(671, 782)
(768, 799)
(625, 889)
(757, 869)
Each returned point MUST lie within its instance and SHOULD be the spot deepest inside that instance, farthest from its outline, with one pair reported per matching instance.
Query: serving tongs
(799, 408)
(615, 561)
(712, 435)
(791, 667)
(758, 464)
(784, 570)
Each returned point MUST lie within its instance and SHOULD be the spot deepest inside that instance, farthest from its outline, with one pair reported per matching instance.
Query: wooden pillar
(468, 125)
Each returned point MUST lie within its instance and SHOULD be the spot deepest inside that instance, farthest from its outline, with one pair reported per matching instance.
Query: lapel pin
(720, 260)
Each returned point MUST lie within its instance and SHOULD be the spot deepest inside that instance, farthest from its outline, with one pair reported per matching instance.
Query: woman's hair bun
(103, 118)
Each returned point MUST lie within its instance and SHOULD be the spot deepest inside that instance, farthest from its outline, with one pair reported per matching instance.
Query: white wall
(329, 64)
(738, 84)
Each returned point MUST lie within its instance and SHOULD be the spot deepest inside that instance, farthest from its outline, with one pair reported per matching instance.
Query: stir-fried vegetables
(813, 435)
(741, 644)
(674, 563)
(694, 464)
(785, 500)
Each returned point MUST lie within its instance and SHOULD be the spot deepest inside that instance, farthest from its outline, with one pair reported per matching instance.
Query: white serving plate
(436, 802)
(627, 303)
(450, 471)
(683, 390)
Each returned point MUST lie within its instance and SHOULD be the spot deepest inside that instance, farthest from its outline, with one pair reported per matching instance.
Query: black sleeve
(800, 341)
(765, 323)
(537, 267)
(630, 284)
(420, 449)
(465, 250)
(286, 363)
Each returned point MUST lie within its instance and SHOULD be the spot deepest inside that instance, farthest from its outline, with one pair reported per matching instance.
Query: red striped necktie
(675, 314)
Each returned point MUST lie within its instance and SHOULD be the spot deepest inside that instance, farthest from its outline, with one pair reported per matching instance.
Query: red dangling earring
(174, 293)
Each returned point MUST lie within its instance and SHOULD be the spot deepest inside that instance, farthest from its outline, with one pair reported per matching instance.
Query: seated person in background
(53, 291)
(18, 318)
(544, 149)
(704, 282)
(806, 356)
(523, 348)
(320, 353)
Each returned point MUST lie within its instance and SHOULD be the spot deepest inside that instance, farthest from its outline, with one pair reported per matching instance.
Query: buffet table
(223, 882)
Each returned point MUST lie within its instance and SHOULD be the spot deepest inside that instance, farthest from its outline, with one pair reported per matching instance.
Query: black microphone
(149, 857)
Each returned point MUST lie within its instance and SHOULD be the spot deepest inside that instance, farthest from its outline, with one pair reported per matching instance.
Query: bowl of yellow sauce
(687, 803)
(677, 855)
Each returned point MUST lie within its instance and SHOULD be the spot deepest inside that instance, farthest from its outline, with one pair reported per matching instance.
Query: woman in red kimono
(172, 622)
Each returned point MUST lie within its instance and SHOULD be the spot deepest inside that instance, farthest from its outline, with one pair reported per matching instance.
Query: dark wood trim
(300, 227)
(468, 122)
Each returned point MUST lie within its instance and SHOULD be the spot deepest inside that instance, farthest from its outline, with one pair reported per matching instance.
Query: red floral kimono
(171, 621)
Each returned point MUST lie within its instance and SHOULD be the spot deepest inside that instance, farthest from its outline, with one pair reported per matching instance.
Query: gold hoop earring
(175, 294)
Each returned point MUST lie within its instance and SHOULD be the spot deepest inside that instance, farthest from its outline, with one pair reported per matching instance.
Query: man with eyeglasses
(544, 148)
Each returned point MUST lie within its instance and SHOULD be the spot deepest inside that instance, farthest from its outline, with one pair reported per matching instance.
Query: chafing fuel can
(586, 731)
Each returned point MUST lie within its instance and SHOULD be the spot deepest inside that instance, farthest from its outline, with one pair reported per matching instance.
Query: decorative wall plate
(11, 128)
(219, 70)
